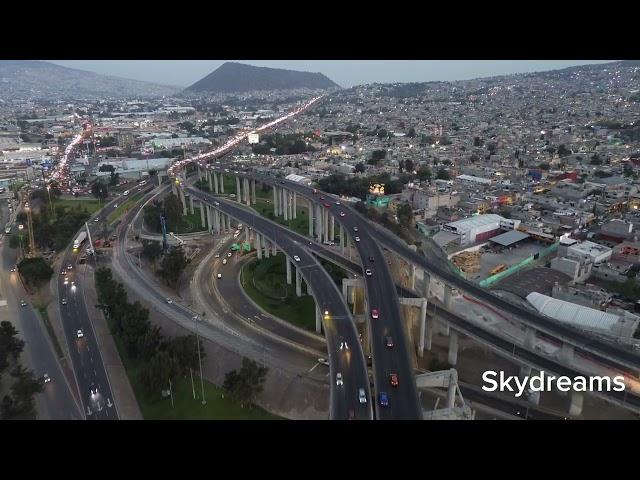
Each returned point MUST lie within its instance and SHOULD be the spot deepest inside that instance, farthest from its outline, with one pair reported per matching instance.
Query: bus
(7, 227)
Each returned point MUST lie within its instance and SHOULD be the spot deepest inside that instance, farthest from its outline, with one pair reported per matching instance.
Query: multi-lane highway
(57, 401)
(344, 349)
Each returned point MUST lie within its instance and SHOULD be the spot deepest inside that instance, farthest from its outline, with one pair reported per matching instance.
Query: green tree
(99, 190)
(408, 165)
(184, 350)
(405, 215)
(35, 271)
(443, 174)
(359, 168)
(172, 210)
(159, 369)
(172, 265)
(424, 173)
(114, 178)
(246, 384)
(151, 249)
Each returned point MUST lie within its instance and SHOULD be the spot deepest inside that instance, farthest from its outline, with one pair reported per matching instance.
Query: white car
(97, 219)
(46, 378)
(342, 214)
(23, 303)
(296, 258)
(115, 205)
(64, 301)
(368, 272)
(219, 275)
(344, 345)
(69, 267)
(66, 280)
(357, 239)
(355, 229)
(337, 203)
(339, 379)
(217, 255)
(229, 254)
(310, 243)
(169, 301)
(362, 396)
(79, 333)
(323, 361)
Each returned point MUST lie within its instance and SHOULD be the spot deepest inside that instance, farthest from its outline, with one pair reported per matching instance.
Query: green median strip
(52, 335)
(123, 207)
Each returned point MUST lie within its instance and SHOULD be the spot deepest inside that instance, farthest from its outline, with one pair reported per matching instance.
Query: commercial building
(586, 249)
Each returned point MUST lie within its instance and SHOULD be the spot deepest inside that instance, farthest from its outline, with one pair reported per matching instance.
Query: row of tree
(19, 402)
(288, 144)
(165, 358)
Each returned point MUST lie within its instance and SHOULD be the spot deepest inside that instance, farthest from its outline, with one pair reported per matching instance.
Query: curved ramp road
(339, 326)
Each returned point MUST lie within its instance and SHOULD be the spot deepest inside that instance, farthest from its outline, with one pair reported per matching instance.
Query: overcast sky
(344, 72)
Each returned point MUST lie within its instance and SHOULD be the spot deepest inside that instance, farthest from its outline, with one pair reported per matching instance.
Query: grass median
(265, 283)
(90, 204)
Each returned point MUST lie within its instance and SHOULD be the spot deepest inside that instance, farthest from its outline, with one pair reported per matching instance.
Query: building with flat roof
(480, 227)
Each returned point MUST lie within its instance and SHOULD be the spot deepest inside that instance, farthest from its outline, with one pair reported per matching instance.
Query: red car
(374, 313)
(327, 205)
(393, 379)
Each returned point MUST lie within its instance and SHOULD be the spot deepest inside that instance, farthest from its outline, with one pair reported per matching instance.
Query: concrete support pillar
(577, 399)
(215, 182)
(298, 282)
(345, 289)
(259, 246)
(209, 222)
(288, 262)
(342, 240)
(447, 297)
(423, 326)
(215, 221)
(191, 204)
(529, 338)
(318, 217)
(311, 217)
(295, 205)
(184, 202)
(451, 391)
(202, 222)
(267, 247)
(413, 276)
(174, 188)
(285, 204)
(332, 234)
(238, 190)
(428, 334)
(274, 248)
(247, 190)
(222, 183)
(275, 201)
(325, 225)
(453, 348)
(566, 353)
(210, 178)
(318, 320)
(253, 192)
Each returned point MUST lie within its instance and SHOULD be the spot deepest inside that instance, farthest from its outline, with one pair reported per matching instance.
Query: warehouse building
(480, 228)
(622, 325)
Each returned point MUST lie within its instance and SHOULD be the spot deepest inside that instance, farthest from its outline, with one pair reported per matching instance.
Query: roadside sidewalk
(124, 398)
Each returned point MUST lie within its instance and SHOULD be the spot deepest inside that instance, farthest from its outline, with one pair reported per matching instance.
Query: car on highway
(362, 396)
(389, 342)
(339, 381)
(46, 378)
(323, 361)
(371, 259)
(219, 275)
(23, 303)
(224, 261)
(115, 205)
(217, 204)
(321, 197)
(64, 301)
(357, 239)
(79, 333)
(169, 301)
(310, 243)
(393, 379)
(296, 258)
(374, 314)
(342, 214)
(97, 402)
(344, 345)
(368, 272)
(113, 237)
(383, 398)
(69, 267)
(13, 269)
(229, 254)
(355, 229)
(326, 205)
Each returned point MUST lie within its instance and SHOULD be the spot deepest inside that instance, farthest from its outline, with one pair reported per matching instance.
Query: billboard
(254, 138)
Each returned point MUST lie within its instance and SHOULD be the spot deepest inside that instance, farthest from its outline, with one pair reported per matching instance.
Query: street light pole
(204, 401)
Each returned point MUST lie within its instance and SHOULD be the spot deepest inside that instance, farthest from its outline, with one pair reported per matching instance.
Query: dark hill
(232, 77)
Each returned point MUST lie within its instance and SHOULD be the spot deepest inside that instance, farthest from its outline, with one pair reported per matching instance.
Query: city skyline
(346, 73)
